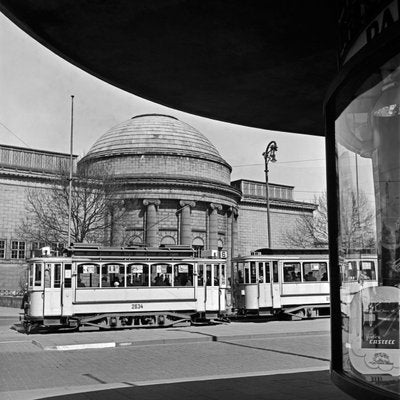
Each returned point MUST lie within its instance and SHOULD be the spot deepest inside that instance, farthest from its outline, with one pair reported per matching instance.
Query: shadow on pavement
(296, 386)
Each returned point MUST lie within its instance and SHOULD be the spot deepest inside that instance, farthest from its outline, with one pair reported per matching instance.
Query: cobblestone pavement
(25, 366)
(171, 363)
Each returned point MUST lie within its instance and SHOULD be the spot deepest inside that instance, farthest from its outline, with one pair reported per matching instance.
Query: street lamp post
(269, 156)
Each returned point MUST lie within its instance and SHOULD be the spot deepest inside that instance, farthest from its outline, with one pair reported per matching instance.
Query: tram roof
(265, 64)
(95, 250)
(275, 252)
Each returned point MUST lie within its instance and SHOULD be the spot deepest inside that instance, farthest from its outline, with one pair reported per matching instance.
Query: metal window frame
(342, 91)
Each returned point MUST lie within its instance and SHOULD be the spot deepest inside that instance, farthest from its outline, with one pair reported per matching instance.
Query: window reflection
(368, 165)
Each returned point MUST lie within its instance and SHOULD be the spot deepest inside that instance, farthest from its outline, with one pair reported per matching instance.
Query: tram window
(47, 276)
(261, 272)
(246, 274)
(315, 271)
(223, 279)
(368, 270)
(291, 272)
(57, 275)
(31, 271)
(253, 272)
(113, 275)
(216, 274)
(161, 275)
(200, 275)
(208, 275)
(350, 271)
(88, 275)
(240, 272)
(267, 273)
(183, 275)
(275, 271)
(38, 275)
(137, 275)
(67, 275)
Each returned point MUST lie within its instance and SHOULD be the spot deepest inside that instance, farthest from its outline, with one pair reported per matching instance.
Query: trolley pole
(71, 168)
(269, 156)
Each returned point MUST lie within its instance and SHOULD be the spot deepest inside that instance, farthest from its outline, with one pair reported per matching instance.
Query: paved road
(208, 352)
(172, 363)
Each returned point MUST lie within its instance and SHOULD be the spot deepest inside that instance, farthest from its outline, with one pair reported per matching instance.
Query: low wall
(11, 301)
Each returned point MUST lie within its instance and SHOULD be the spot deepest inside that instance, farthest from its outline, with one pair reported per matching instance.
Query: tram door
(52, 289)
(208, 293)
(275, 284)
(268, 284)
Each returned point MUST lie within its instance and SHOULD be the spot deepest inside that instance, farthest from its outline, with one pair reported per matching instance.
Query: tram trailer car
(295, 282)
(123, 288)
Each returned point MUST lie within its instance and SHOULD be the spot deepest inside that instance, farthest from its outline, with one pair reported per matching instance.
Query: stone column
(186, 222)
(213, 226)
(151, 221)
(235, 236)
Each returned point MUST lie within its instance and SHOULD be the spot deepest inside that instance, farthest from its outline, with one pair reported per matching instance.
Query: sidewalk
(87, 339)
(7, 312)
(296, 383)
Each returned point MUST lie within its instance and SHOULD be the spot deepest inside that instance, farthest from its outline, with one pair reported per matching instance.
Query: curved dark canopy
(258, 63)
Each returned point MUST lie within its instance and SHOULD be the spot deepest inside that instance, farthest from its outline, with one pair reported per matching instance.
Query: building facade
(175, 187)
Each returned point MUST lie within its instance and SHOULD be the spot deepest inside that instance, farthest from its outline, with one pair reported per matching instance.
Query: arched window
(167, 240)
(220, 244)
(198, 246)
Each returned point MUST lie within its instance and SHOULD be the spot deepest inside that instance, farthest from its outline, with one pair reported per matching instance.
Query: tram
(115, 288)
(295, 282)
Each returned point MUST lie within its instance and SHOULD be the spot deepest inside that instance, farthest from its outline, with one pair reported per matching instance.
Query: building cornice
(169, 152)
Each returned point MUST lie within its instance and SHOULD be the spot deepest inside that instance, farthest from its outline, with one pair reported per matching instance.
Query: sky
(35, 111)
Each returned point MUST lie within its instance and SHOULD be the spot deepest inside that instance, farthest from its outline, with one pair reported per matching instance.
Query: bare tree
(357, 225)
(93, 205)
(311, 230)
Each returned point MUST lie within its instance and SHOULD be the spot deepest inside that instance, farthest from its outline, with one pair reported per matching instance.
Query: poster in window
(136, 269)
(88, 269)
(113, 269)
(380, 326)
(161, 269)
(183, 269)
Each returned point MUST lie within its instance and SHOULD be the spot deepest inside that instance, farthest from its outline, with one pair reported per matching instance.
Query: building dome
(158, 147)
(154, 134)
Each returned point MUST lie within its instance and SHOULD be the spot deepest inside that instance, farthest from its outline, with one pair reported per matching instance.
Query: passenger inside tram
(310, 276)
(105, 282)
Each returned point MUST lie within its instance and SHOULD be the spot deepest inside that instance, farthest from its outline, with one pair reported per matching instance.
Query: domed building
(176, 185)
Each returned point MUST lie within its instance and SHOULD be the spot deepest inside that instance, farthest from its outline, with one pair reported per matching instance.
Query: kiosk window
(368, 270)
(350, 271)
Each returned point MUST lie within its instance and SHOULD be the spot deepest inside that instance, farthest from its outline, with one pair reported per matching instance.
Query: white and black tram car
(295, 282)
(130, 287)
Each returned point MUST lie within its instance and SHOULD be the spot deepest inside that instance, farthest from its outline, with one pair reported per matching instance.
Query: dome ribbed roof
(154, 133)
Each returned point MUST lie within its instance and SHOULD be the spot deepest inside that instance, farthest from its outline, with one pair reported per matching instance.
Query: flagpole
(71, 167)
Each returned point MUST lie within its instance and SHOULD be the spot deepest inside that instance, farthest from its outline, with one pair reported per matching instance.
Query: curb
(204, 338)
